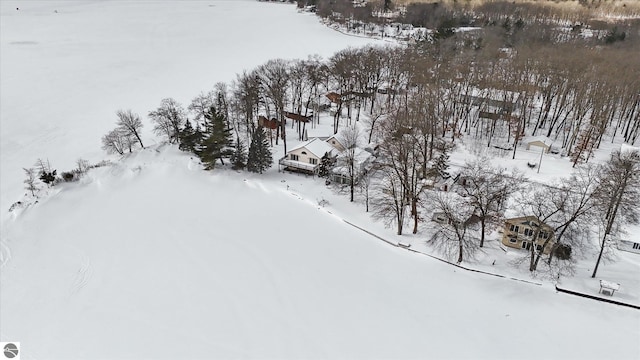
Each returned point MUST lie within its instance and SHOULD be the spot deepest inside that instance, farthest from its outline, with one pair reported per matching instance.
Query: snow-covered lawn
(154, 258)
(168, 261)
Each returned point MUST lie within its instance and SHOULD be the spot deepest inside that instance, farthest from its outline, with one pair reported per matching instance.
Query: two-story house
(525, 232)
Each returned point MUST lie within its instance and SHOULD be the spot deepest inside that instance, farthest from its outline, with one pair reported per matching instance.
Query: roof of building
(624, 148)
(526, 220)
(541, 138)
(317, 147)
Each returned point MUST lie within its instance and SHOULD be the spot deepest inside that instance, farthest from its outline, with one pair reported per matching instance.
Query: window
(304, 153)
(539, 248)
(294, 157)
(514, 228)
(313, 161)
(513, 240)
(543, 234)
(528, 232)
(636, 246)
(526, 245)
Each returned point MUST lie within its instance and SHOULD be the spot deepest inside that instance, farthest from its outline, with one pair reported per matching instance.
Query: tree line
(415, 104)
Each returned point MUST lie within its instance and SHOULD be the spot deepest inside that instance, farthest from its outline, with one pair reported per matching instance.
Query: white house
(307, 156)
(340, 173)
(336, 143)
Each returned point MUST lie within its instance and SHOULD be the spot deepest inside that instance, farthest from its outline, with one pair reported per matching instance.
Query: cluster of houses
(519, 232)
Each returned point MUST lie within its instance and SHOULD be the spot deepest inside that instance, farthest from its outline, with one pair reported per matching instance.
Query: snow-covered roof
(624, 149)
(336, 138)
(540, 138)
(609, 284)
(359, 155)
(317, 147)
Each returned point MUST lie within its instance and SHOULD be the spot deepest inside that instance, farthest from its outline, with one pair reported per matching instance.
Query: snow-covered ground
(66, 73)
(154, 258)
(168, 261)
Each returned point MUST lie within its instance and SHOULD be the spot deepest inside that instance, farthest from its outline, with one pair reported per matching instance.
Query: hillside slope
(154, 258)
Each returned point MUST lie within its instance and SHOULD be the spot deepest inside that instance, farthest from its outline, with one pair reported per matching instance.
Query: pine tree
(47, 175)
(326, 163)
(239, 156)
(187, 138)
(259, 158)
(198, 136)
(217, 141)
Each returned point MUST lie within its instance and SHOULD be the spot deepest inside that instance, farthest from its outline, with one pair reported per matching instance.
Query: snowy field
(154, 258)
(160, 267)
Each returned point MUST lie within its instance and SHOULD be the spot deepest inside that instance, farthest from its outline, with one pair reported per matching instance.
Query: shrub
(562, 252)
(69, 176)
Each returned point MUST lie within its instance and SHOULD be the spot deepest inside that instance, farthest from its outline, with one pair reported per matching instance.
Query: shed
(539, 142)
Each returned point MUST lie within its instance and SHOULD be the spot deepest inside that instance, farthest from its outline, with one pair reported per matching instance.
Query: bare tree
(274, 80)
(350, 136)
(487, 189)
(456, 235)
(378, 112)
(168, 118)
(115, 141)
(82, 167)
(572, 224)
(618, 194)
(30, 181)
(366, 180)
(130, 123)
(544, 205)
(400, 154)
(200, 105)
(246, 94)
(390, 201)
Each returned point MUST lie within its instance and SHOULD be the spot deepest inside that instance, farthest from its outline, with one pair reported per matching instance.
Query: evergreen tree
(326, 163)
(259, 158)
(187, 138)
(47, 175)
(239, 156)
(198, 136)
(217, 141)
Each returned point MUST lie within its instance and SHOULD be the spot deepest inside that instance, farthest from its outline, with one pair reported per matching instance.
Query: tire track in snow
(5, 253)
(83, 275)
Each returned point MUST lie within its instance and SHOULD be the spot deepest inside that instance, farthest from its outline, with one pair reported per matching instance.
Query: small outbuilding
(538, 143)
